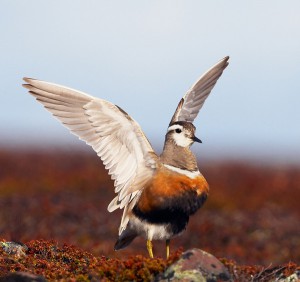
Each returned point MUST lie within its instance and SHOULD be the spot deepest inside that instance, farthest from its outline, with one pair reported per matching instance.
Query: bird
(158, 193)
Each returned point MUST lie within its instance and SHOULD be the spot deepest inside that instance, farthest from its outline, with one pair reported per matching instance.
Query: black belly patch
(174, 210)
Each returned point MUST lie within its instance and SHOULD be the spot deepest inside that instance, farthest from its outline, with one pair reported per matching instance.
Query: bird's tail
(126, 237)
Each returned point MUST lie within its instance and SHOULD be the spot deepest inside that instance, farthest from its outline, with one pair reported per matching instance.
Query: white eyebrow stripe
(190, 174)
(175, 126)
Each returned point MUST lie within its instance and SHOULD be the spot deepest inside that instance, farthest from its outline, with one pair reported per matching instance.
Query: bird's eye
(178, 130)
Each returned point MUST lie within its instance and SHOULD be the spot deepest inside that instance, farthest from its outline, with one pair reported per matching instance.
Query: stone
(14, 248)
(197, 266)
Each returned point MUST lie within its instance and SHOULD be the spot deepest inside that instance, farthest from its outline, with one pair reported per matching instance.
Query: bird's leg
(149, 248)
(168, 247)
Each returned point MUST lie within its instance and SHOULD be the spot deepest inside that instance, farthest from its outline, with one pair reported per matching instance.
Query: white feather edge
(190, 174)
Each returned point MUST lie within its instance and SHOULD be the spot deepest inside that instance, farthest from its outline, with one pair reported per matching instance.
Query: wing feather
(116, 138)
(190, 105)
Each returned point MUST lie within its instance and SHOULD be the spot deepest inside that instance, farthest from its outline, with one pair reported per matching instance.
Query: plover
(157, 192)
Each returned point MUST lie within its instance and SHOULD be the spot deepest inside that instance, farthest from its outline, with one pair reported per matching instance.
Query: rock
(197, 266)
(14, 248)
(293, 278)
(22, 277)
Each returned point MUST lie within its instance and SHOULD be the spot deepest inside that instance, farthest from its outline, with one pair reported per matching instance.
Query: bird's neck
(180, 157)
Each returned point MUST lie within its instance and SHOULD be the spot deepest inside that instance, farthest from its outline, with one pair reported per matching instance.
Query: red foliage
(251, 216)
(55, 262)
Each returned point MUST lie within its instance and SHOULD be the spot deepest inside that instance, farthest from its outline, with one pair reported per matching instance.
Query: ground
(251, 216)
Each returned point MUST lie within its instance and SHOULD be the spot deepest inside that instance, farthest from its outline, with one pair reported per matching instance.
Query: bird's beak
(195, 139)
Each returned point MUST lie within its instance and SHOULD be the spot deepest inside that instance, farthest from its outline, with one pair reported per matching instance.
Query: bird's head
(182, 133)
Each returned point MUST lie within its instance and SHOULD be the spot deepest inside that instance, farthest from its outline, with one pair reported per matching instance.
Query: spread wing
(114, 135)
(190, 105)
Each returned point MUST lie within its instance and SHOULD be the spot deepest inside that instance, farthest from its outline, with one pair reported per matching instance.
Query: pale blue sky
(144, 55)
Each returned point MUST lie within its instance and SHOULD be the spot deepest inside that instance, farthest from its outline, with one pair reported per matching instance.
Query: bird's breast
(171, 197)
